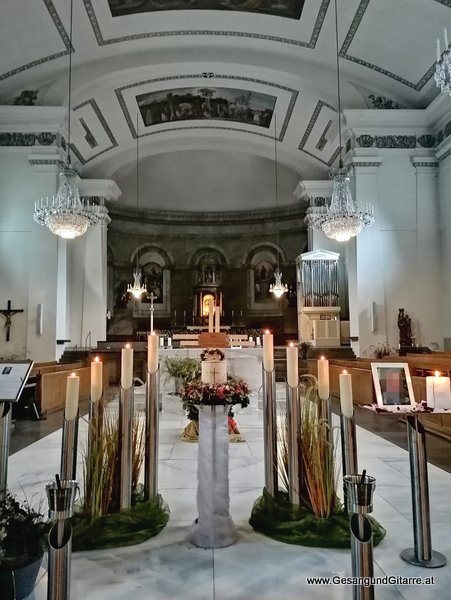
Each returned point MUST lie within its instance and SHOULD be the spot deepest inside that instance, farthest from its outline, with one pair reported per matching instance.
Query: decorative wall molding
(386, 141)
(101, 41)
(17, 138)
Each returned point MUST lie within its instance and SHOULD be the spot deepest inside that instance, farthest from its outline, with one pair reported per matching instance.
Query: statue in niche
(405, 328)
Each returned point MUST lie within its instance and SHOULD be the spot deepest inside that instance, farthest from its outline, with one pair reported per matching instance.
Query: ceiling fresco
(229, 104)
(291, 9)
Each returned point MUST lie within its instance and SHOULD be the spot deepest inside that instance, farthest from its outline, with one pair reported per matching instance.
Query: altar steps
(71, 356)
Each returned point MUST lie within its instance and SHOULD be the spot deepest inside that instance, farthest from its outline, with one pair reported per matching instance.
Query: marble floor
(169, 566)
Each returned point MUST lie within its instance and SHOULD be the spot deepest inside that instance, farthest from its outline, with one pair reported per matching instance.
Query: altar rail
(363, 388)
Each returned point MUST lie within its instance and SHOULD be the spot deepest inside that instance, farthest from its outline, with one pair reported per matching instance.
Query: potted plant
(181, 369)
(23, 538)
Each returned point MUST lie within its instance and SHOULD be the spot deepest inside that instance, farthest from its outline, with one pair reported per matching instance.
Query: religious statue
(405, 328)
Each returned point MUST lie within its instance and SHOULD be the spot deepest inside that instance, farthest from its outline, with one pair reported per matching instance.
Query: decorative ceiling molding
(360, 12)
(122, 103)
(17, 138)
(189, 32)
(291, 214)
(105, 126)
(318, 108)
(35, 63)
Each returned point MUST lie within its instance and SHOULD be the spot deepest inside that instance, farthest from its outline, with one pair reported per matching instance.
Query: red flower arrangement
(234, 391)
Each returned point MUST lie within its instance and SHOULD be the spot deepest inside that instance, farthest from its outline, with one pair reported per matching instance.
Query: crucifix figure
(8, 313)
(152, 298)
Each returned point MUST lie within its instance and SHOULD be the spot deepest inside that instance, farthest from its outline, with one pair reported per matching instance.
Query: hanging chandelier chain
(338, 85)
(276, 185)
(71, 24)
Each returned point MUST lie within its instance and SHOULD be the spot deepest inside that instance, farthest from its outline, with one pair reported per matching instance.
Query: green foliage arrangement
(23, 533)
(182, 368)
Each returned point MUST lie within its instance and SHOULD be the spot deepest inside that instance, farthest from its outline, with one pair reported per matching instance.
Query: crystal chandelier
(137, 289)
(343, 219)
(442, 73)
(66, 214)
(278, 288)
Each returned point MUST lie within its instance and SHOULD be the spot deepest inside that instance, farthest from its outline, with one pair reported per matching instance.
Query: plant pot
(22, 580)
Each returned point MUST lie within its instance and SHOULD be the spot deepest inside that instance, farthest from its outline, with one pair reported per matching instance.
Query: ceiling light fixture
(137, 289)
(66, 214)
(343, 219)
(277, 288)
(442, 74)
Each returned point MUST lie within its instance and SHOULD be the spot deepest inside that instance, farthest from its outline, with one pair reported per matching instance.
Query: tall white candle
(161, 342)
(347, 407)
(445, 35)
(96, 379)
(438, 50)
(72, 394)
(438, 391)
(127, 367)
(292, 365)
(258, 340)
(217, 319)
(211, 311)
(323, 378)
(152, 352)
(268, 351)
(169, 342)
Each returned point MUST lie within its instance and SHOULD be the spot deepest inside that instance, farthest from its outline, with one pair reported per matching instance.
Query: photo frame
(393, 386)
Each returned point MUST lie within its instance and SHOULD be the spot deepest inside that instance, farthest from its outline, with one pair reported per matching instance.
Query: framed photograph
(393, 385)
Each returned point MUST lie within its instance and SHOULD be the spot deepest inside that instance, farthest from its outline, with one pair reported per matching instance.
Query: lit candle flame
(345, 372)
(97, 359)
(291, 345)
(73, 375)
(323, 358)
(267, 331)
(127, 345)
(437, 373)
(153, 333)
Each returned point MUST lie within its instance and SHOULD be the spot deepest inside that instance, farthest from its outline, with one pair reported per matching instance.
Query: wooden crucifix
(8, 313)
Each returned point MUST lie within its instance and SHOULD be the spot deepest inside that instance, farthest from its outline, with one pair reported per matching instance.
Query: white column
(428, 312)
(445, 232)
(364, 265)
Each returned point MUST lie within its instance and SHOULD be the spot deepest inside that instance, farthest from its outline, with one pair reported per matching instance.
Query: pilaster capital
(425, 165)
(364, 165)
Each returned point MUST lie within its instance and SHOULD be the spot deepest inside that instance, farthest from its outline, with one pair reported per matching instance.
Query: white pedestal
(215, 528)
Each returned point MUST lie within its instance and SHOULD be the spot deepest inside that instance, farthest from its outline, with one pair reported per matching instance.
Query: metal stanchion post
(151, 448)
(126, 440)
(294, 468)
(68, 469)
(360, 502)
(61, 498)
(5, 433)
(348, 450)
(270, 431)
(95, 422)
(421, 554)
(325, 413)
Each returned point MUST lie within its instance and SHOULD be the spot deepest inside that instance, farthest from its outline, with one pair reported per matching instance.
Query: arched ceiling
(208, 76)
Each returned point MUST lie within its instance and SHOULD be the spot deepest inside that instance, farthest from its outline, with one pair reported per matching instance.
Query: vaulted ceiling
(209, 76)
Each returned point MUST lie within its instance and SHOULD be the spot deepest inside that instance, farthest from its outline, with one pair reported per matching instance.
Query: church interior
(225, 230)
